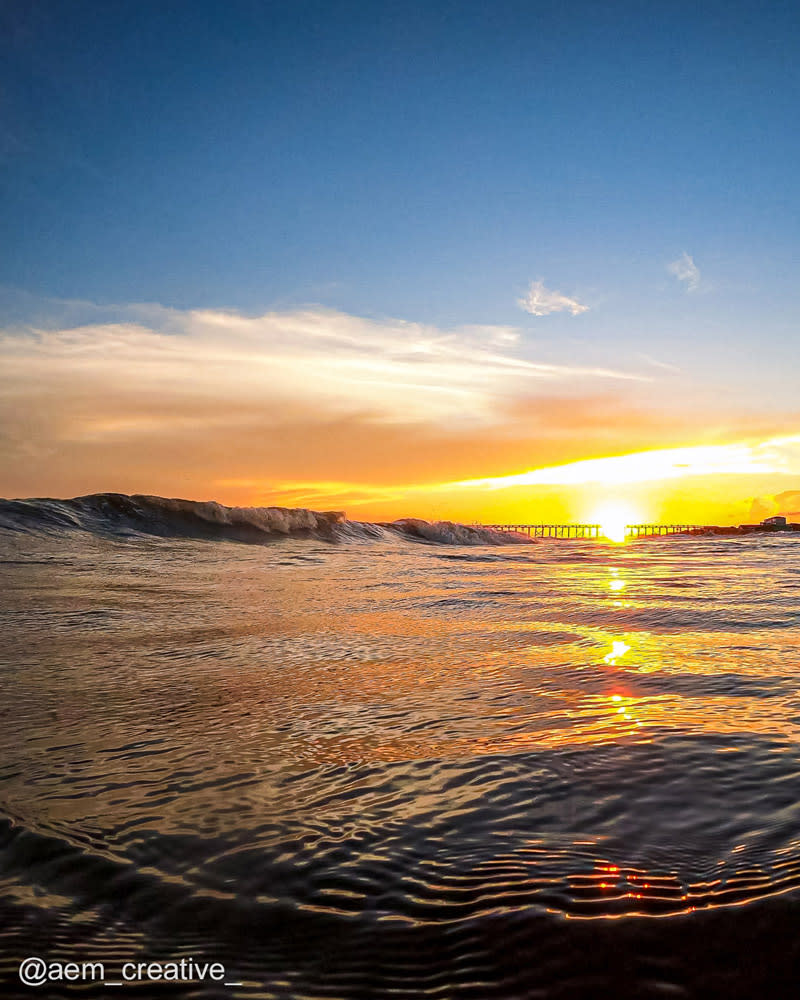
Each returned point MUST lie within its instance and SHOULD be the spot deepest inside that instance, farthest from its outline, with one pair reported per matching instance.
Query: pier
(654, 530)
(551, 530)
(594, 530)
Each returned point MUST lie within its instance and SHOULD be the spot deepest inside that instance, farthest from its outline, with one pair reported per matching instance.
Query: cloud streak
(316, 358)
(146, 399)
(541, 301)
(775, 456)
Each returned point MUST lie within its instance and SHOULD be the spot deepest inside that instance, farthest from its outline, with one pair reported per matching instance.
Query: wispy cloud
(143, 397)
(685, 270)
(314, 358)
(656, 363)
(541, 301)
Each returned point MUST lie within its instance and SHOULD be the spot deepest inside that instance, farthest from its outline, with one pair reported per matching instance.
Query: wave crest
(119, 515)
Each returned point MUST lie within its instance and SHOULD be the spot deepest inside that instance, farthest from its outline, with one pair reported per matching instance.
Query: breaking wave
(119, 515)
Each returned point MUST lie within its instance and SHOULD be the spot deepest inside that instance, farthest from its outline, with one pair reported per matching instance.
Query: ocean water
(369, 763)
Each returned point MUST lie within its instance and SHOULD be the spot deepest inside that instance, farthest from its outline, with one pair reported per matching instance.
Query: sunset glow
(613, 519)
(454, 356)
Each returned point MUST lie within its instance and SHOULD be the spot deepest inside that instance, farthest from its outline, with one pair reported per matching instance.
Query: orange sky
(382, 418)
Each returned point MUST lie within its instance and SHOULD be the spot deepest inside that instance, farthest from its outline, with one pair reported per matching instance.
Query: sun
(613, 518)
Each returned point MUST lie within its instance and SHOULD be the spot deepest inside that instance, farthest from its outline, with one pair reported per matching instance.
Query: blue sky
(419, 161)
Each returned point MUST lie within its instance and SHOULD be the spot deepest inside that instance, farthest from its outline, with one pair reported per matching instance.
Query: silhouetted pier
(653, 530)
(594, 530)
(551, 530)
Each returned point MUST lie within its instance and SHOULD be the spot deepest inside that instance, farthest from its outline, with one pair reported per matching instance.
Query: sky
(504, 261)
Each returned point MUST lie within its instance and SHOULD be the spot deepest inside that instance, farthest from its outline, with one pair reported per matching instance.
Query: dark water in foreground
(394, 769)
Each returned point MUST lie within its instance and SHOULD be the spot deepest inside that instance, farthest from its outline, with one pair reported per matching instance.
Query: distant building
(778, 521)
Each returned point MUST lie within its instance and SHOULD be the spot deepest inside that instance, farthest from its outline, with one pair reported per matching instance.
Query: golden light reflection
(618, 649)
(622, 708)
(611, 881)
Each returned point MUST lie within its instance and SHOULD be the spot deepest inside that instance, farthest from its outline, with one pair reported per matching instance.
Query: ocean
(354, 761)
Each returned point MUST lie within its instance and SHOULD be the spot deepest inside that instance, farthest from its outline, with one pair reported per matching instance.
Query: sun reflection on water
(618, 649)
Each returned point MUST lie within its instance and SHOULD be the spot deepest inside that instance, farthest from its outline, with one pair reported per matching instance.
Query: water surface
(383, 767)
